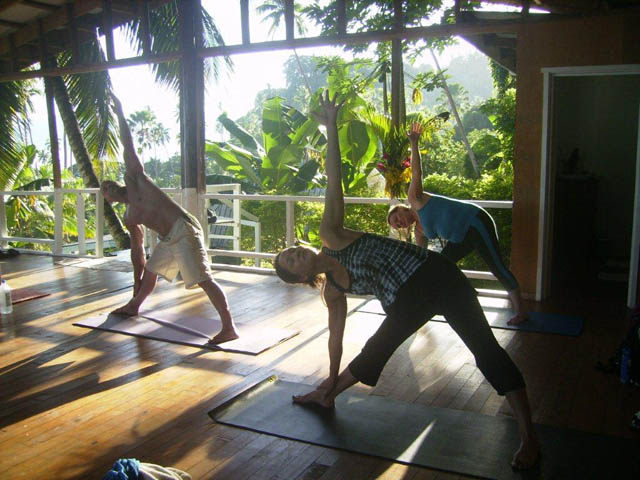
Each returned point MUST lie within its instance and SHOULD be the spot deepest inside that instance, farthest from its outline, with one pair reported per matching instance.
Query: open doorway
(590, 162)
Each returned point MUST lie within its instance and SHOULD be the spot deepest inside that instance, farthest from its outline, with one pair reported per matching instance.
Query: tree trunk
(76, 142)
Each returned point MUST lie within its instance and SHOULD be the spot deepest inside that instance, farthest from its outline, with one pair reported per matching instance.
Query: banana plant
(290, 157)
(283, 162)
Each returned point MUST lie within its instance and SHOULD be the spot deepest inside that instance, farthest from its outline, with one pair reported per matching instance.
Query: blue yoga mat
(466, 443)
(541, 322)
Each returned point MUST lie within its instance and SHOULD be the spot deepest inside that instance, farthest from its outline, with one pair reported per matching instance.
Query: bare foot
(225, 335)
(517, 319)
(127, 311)
(527, 455)
(317, 397)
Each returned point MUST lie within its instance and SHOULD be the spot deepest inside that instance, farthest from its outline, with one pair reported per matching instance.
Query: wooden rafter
(308, 42)
(7, 23)
(46, 7)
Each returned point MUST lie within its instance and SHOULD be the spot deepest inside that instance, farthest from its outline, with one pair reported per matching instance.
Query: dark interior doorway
(593, 174)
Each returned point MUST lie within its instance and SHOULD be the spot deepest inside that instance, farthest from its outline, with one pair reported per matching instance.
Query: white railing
(290, 223)
(56, 243)
(232, 199)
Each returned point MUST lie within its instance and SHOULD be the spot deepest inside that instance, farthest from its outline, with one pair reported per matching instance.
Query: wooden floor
(75, 400)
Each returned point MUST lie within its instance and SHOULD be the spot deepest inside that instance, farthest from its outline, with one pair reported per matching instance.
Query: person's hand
(317, 397)
(328, 113)
(415, 130)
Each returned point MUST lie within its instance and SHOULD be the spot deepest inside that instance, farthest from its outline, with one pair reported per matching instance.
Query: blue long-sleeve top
(447, 218)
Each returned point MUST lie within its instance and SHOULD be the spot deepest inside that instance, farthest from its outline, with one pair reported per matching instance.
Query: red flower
(381, 167)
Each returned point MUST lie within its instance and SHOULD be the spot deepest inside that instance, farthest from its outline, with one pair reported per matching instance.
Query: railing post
(59, 221)
(99, 224)
(3, 221)
(236, 218)
(289, 217)
(257, 229)
(82, 244)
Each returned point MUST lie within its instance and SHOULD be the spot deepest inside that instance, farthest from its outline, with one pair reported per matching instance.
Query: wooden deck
(75, 400)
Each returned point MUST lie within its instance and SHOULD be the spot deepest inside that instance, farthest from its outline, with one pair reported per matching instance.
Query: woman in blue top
(413, 284)
(465, 226)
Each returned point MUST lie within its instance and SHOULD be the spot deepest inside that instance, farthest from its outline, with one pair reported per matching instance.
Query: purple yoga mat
(192, 331)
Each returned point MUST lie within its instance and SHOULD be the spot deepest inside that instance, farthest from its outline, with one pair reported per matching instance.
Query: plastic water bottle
(625, 363)
(6, 305)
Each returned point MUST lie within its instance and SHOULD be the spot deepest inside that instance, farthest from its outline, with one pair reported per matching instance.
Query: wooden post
(58, 231)
(244, 21)
(14, 53)
(51, 116)
(397, 87)
(73, 29)
(143, 12)
(107, 25)
(289, 19)
(191, 105)
(341, 6)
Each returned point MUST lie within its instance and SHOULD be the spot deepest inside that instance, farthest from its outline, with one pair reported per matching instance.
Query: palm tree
(141, 124)
(149, 132)
(83, 101)
(14, 105)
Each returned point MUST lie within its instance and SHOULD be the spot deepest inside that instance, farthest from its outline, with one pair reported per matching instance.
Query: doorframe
(545, 218)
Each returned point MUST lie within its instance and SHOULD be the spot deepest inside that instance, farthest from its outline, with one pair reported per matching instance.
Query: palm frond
(164, 31)
(13, 105)
(90, 94)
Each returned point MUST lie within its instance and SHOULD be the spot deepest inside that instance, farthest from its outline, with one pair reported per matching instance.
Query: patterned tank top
(378, 265)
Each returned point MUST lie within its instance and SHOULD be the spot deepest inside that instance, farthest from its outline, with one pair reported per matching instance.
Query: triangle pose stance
(466, 227)
(181, 248)
(412, 283)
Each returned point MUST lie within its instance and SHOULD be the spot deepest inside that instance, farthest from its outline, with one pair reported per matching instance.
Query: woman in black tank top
(411, 283)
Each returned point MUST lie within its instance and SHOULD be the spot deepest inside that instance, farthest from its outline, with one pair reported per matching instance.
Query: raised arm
(415, 195)
(131, 161)
(333, 216)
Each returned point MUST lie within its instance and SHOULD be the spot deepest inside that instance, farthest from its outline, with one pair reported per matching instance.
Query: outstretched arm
(131, 161)
(326, 392)
(415, 193)
(333, 216)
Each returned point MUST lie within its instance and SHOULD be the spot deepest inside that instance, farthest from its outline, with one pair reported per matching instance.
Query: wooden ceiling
(30, 29)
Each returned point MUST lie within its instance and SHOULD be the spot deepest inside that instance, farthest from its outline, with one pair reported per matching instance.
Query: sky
(234, 93)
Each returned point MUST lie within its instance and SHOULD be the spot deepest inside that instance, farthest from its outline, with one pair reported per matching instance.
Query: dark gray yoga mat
(451, 440)
(192, 331)
(497, 317)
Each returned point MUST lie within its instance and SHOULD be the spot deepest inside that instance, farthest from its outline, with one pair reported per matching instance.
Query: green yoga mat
(451, 440)
(497, 317)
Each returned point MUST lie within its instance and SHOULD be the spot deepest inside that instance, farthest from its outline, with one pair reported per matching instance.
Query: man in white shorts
(181, 248)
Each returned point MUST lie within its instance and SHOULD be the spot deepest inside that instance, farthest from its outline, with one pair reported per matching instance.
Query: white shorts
(182, 250)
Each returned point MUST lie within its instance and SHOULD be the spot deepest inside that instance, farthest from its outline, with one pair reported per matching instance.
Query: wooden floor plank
(74, 400)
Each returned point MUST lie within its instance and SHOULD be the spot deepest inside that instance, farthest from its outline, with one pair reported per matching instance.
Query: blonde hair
(403, 233)
(316, 281)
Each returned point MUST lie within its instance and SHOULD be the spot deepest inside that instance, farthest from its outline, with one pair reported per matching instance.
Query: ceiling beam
(355, 38)
(39, 5)
(7, 23)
